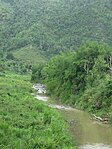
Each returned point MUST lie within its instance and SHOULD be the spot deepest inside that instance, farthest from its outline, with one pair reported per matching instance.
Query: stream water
(87, 133)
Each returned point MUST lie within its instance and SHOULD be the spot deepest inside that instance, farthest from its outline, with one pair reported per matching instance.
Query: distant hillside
(29, 55)
(52, 26)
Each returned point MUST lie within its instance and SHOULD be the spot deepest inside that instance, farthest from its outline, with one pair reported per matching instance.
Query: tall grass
(26, 123)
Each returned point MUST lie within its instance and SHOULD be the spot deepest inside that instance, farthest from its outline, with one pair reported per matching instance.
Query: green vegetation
(33, 31)
(37, 75)
(50, 27)
(9, 63)
(83, 78)
(25, 122)
(29, 55)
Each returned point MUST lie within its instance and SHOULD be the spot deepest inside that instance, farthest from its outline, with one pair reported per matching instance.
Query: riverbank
(88, 133)
(81, 79)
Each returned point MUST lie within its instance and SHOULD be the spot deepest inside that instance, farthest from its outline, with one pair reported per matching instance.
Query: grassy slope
(29, 55)
(25, 122)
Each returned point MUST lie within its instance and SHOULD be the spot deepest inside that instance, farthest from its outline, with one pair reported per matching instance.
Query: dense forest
(48, 27)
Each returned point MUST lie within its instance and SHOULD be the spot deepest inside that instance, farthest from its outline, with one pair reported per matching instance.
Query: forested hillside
(47, 27)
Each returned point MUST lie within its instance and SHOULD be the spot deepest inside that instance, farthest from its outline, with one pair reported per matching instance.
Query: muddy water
(88, 134)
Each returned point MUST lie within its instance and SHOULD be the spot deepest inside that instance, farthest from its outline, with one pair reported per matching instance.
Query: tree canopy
(54, 26)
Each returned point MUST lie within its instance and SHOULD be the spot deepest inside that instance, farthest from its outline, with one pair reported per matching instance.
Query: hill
(51, 26)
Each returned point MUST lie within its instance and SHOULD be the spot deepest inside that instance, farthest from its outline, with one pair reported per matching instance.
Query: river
(87, 133)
